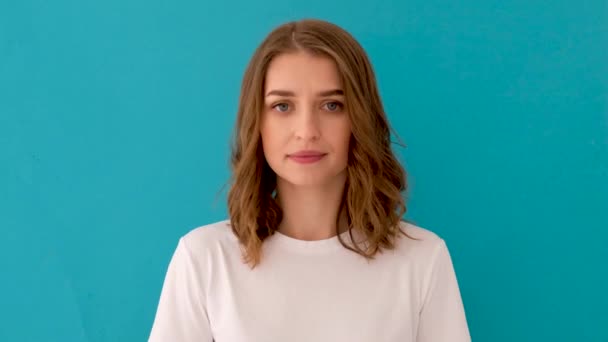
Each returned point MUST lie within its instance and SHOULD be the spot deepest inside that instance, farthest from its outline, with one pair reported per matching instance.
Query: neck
(312, 212)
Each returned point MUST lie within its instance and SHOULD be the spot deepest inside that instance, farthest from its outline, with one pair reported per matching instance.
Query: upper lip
(306, 153)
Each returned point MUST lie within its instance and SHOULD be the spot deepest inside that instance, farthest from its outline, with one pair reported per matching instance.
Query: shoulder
(417, 231)
(210, 236)
(420, 243)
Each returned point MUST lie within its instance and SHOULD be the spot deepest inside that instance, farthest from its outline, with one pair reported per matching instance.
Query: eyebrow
(288, 93)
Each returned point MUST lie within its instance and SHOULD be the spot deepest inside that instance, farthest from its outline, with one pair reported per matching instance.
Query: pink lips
(306, 157)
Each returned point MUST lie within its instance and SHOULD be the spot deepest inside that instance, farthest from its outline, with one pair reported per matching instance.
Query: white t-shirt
(309, 291)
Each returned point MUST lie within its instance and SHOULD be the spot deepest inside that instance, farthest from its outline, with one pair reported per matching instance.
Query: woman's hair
(373, 193)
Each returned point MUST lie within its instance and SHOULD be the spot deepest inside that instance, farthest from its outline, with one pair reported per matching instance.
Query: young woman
(315, 249)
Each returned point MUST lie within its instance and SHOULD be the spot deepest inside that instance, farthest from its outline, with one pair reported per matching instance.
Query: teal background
(114, 125)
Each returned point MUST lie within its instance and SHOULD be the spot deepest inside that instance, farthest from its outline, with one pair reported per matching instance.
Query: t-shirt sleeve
(181, 314)
(442, 316)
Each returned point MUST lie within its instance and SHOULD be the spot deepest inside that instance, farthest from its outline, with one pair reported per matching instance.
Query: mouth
(306, 157)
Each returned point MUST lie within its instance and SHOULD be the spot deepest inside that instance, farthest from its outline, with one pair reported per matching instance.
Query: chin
(304, 182)
(310, 179)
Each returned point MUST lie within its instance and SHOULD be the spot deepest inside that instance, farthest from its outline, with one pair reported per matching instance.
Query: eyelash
(338, 103)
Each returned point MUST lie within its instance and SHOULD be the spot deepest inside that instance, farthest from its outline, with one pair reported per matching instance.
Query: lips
(306, 154)
(306, 157)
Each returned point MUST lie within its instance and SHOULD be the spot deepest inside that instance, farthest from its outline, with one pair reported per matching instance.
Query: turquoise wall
(114, 126)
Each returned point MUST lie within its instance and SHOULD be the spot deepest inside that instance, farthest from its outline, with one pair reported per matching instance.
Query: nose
(307, 125)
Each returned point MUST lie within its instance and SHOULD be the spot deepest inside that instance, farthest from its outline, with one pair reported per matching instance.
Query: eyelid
(273, 105)
(279, 101)
(337, 102)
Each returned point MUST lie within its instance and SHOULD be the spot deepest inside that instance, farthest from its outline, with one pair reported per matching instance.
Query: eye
(333, 106)
(281, 107)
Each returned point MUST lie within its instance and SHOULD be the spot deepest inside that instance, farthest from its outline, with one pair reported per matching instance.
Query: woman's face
(305, 127)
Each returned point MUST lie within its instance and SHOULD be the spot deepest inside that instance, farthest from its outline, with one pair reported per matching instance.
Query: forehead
(302, 71)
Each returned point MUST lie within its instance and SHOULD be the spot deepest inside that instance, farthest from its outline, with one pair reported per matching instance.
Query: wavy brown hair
(376, 180)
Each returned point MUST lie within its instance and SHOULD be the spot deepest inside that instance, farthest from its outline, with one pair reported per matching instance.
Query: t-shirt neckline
(311, 246)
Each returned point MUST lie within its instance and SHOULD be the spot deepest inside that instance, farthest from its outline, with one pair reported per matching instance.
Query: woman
(315, 249)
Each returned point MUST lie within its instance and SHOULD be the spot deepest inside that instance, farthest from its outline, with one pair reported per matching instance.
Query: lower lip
(306, 159)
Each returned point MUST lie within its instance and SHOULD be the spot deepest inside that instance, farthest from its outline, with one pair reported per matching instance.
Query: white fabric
(309, 291)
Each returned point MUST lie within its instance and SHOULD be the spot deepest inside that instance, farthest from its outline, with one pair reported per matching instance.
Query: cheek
(265, 137)
(346, 132)
(271, 140)
(339, 137)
